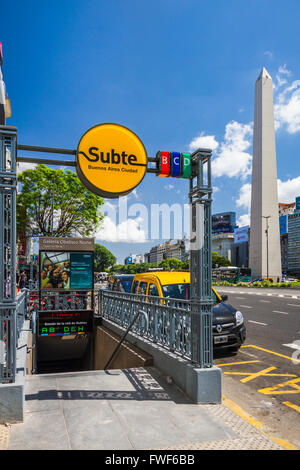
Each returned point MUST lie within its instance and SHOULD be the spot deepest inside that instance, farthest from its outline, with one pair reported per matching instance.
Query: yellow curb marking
(238, 410)
(292, 405)
(257, 424)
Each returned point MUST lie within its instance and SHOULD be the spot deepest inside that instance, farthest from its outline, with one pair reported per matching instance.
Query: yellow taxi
(228, 323)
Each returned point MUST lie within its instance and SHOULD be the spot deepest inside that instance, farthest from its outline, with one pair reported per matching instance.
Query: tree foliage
(76, 209)
(103, 258)
(171, 264)
(218, 260)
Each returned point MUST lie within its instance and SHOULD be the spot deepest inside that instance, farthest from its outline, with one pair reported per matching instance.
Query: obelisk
(264, 246)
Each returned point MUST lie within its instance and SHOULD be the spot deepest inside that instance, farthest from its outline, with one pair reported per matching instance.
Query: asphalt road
(264, 376)
(271, 321)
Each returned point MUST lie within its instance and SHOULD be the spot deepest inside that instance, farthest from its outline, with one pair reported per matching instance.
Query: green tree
(219, 260)
(103, 258)
(76, 210)
(173, 264)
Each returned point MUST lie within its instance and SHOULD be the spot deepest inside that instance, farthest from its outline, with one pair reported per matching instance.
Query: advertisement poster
(66, 270)
(241, 234)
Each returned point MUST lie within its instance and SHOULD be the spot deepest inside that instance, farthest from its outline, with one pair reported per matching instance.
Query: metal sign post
(200, 259)
(8, 193)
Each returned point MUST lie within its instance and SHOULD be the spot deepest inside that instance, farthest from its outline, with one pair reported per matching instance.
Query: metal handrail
(168, 323)
(124, 336)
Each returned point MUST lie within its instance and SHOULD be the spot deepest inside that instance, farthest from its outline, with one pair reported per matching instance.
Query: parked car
(261, 279)
(121, 282)
(229, 329)
(289, 279)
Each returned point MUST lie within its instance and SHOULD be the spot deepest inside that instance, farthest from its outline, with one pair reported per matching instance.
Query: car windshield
(181, 291)
(177, 291)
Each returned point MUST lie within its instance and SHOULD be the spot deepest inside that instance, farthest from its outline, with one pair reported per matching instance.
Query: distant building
(135, 259)
(170, 249)
(284, 244)
(285, 209)
(223, 243)
(294, 243)
(289, 226)
(223, 222)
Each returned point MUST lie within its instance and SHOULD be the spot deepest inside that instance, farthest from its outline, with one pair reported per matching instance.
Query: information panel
(66, 270)
(62, 323)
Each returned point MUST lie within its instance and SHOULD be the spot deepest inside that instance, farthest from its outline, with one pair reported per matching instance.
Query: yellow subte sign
(111, 160)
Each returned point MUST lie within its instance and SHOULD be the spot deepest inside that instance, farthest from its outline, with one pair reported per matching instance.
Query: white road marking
(257, 322)
(292, 345)
(245, 306)
(278, 311)
(293, 305)
(268, 301)
(243, 298)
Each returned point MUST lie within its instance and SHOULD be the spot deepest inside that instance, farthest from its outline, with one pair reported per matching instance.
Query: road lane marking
(243, 298)
(268, 301)
(274, 390)
(292, 345)
(271, 352)
(245, 306)
(292, 405)
(257, 322)
(293, 305)
(235, 363)
(278, 311)
(264, 372)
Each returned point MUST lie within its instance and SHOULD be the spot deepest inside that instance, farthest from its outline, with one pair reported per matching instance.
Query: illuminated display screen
(65, 323)
(66, 270)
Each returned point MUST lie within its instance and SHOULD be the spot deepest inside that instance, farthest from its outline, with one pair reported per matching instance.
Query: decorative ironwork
(168, 320)
(200, 259)
(10, 305)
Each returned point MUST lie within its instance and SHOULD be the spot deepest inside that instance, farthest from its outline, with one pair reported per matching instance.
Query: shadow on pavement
(148, 386)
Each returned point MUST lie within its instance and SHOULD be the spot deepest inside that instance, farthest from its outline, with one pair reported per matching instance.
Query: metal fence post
(8, 300)
(200, 259)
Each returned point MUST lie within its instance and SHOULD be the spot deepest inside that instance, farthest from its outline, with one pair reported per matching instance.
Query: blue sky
(177, 73)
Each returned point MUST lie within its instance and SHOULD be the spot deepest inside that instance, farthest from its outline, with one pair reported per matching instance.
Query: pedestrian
(22, 281)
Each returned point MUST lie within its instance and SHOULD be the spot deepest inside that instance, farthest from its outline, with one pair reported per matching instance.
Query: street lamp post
(267, 235)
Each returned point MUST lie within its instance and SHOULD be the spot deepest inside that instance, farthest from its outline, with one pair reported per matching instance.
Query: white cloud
(243, 220)
(288, 190)
(22, 166)
(269, 54)
(287, 193)
(203, 141)
(168, 187)
(287, 102)
(232, 159)
(281, 76)
(245, 196)
(128, 231)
